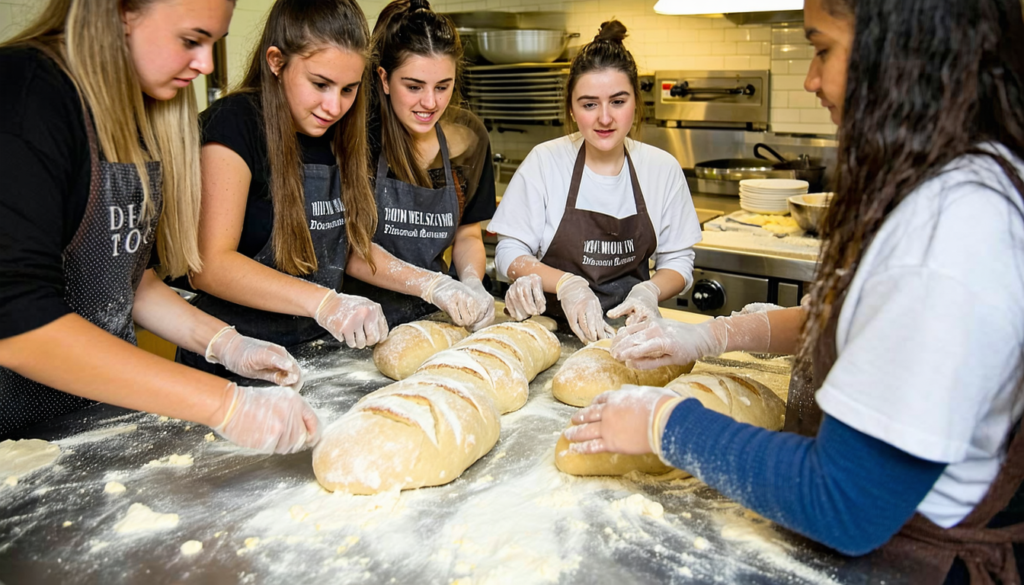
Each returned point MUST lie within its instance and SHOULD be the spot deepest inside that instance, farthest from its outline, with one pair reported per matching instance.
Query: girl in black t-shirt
(285, 190)
(101, 164)
(434, 182)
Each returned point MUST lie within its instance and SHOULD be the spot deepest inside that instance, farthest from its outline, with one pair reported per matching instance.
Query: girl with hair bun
(585, 213)
(286, 198)
(100, 166)
(903, 415)
(434, 182)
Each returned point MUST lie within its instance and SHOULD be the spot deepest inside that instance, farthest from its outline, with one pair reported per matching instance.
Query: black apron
(103, 265)
(321, 189)
(979, 547)
(611, 253)
(416, 225)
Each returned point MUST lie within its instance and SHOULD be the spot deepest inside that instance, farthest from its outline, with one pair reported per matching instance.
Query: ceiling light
(694, 7)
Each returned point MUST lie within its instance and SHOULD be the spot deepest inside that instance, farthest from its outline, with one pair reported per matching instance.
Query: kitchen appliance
(503, 47)
(809, 210)
(518, 93)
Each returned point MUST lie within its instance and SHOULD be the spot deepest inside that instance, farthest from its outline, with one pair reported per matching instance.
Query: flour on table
(20, 458)
(172, 461)
(114, 487)
(209, 437)
(140, 518)
(191, 547)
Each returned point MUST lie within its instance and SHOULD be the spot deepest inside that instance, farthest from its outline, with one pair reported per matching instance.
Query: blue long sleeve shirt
(843, 488)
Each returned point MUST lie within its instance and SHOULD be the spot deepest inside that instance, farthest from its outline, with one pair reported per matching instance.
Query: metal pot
(738, 169)
(470, 41)
(502, 47)
(802, 167)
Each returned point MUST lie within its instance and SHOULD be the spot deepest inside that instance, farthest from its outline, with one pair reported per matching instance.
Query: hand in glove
(357, 321)
(254, 358)
(582, 309)
(525, 298)
(462, 304)
(641, 304)
(269, 420)
(621, 421)
(485, 303)
(662, 342)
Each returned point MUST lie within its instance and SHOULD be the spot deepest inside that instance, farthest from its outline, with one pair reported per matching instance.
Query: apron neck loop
(577, 179)
(382, 159)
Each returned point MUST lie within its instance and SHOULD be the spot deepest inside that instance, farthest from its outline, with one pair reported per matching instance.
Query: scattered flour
(174, 460)
(140, 518)
(114, 487)
(209, 437)
(191, 547)
(20, 458)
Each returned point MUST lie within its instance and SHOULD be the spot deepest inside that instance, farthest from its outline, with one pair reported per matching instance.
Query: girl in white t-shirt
(910, 345)
(584, 213)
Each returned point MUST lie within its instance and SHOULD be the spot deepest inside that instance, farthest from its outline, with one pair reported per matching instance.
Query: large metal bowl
(809, 210)
(503, 47)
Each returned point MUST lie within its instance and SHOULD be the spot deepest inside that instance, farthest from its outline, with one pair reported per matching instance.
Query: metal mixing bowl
(809, 210)
(502, 47)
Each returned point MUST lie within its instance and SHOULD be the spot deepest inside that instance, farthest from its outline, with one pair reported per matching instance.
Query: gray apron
(321, 188)
(611, 253)
(415, 224)
(103, 265)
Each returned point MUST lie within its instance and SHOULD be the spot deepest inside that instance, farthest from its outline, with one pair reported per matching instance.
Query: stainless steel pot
(522, 46)
(738, 169)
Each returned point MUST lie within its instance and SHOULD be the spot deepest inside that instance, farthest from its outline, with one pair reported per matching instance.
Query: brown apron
(985, 551)
(611, 253)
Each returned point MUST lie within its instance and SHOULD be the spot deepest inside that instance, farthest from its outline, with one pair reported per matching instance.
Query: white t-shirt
(532, 207)
(932, 329)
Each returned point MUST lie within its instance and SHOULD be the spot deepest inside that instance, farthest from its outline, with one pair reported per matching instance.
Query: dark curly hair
(929, 81)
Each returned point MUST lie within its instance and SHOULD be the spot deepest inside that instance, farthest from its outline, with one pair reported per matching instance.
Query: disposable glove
(582, 309)
(269, 420)
(620, 421)
(525, 298)
(641, 304)
(485, 303)
(459, 301)
(357, 321)
(661, 342)
(254, 358)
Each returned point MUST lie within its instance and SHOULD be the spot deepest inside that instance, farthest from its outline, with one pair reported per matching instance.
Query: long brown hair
(406, 28)
(86, 39)
(929, 81)
(300, 27)
(606, 51)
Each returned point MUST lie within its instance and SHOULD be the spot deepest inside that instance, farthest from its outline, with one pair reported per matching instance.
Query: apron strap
(382, 161)
(577, 177)
(638, 194)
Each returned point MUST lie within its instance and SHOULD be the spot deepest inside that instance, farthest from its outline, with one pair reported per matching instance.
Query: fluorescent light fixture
(694, 7)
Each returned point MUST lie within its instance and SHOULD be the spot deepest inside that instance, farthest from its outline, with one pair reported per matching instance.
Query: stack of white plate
(769, 195)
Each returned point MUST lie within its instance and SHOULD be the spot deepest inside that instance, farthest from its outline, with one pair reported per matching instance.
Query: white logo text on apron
(394, 215)
(614, 248)
(125, 234)
(322, 208)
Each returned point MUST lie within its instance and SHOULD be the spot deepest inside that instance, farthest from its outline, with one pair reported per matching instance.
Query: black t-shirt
(45, 169)
(471, 163)
(236, 121)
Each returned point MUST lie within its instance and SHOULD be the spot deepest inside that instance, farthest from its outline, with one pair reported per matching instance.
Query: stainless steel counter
(511, 518)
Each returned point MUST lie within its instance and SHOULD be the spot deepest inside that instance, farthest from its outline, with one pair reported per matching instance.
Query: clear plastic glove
(485, 300)
(582, 309)
(461, 303)
(619, 421)
(357, 321)
(269, 420)
(661, 342)
(254, 358)
(525, 298)
(641, 304)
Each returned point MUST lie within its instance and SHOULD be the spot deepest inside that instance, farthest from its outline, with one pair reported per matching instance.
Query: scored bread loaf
(410, 344)
(733, 395)
(427, 429)
(592, 371)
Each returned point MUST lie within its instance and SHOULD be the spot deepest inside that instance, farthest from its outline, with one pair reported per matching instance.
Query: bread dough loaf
(733, 395)
(500, 317)
(409, 345)
(427, 429)
(592, 370)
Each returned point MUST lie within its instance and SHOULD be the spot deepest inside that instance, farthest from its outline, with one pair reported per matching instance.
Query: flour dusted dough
(427, 429)
(733, 395)
(410, 344)
(140, 518)
(20, 458)
(592, 370)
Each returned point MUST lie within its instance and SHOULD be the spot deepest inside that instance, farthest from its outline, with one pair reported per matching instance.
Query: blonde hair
(86, 38)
